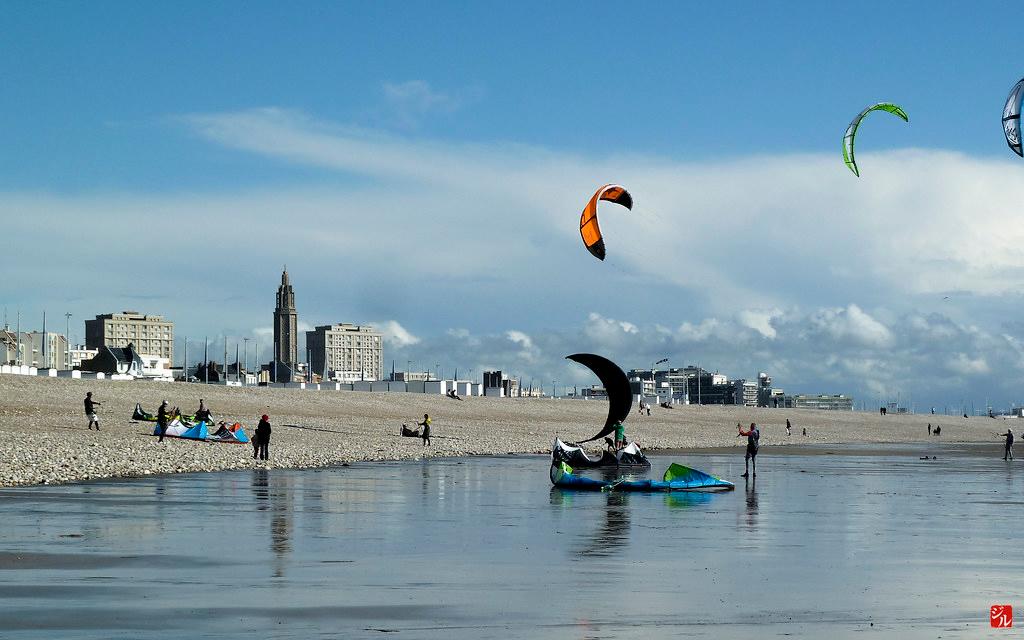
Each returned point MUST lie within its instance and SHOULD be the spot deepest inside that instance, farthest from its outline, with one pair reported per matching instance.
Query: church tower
(286, 320)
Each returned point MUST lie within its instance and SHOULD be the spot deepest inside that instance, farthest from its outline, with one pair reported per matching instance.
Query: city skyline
(381, 180)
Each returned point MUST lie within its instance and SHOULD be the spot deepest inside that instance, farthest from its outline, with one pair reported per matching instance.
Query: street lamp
(246, 341)
(654, 384)
(67, 340)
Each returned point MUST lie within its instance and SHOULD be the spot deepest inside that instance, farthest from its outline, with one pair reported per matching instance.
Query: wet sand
(842, 546)
(43, 439)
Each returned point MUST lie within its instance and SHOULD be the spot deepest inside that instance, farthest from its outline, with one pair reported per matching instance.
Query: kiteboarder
(753, 435)
(202, 413)
(262, 438)
(90, 411)
(426, 429)
(161, 420)
(1008, 453)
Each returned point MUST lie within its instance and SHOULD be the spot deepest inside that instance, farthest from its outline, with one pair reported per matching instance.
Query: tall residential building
(346, 352)
(150, 335)
(286, 324)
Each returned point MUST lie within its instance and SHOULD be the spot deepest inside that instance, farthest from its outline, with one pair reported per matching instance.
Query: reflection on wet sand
(275, 495)
(750, 520)
(613, 532)
(471, 550)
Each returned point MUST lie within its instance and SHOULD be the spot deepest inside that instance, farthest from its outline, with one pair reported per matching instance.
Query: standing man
(788, 427)
(1008, 453)
(753, 442)
(161, 420)
(90, 411)
(426, 429)
(262, 438)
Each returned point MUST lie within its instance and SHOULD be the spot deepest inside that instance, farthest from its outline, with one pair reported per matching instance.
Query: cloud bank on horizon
(904, 280)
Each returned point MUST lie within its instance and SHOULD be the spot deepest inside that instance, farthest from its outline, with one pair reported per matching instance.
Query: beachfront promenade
(43, 435)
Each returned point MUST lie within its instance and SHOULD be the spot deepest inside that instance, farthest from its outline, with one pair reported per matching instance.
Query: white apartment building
(346, 352)
(149, 335)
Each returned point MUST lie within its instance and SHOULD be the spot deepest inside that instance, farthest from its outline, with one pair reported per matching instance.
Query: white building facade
(346, 352)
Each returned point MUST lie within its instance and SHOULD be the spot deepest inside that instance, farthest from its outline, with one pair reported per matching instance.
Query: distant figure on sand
(161, 420)
(937, 430)
(929, 428)
(881, 411)
(453, 395)
(753, 435)
(426, 429)
(805, 431)
(203, 413)
(648, 409)
(788, 427)
(1008, 453)
(262, 438)
(90, 411)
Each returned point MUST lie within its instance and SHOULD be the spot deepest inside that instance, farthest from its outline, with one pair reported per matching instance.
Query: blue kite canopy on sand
(677, 478)
(176, 429)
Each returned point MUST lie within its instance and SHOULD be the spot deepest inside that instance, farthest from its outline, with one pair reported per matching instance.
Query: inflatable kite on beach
(1011, 117)
(851, 131)
(616, 385)
(589, 229)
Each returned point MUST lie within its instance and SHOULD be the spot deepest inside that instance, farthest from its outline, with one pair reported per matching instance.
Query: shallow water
(843, 546)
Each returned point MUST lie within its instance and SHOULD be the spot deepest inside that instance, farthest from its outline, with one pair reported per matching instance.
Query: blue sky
(92, 89)
(473, 133)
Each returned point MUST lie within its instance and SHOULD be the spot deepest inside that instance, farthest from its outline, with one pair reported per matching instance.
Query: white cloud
(395, 334)
(528, 351)
(851, 324)
(405, 229)
(964, 364)
(760, 321)
(412, 100)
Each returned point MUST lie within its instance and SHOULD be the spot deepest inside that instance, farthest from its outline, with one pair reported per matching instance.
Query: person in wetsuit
(426, 429)
(753, 435)
(161, 420)
(1008, 452)
(90, 411)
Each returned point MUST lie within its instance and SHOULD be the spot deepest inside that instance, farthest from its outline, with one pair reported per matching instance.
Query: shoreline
(44, 440)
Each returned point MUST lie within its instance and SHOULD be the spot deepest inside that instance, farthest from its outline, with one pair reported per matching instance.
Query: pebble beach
(44, 440)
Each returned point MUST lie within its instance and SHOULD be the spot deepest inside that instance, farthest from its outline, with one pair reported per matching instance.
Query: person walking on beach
(788, 428)
(426, 429)
(161, 420)
(1008, 453)
(753, 435)
(262, 438)
(90, 411)
(929, 428)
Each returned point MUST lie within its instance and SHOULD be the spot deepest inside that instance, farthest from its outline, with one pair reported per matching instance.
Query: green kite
(851, 131)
